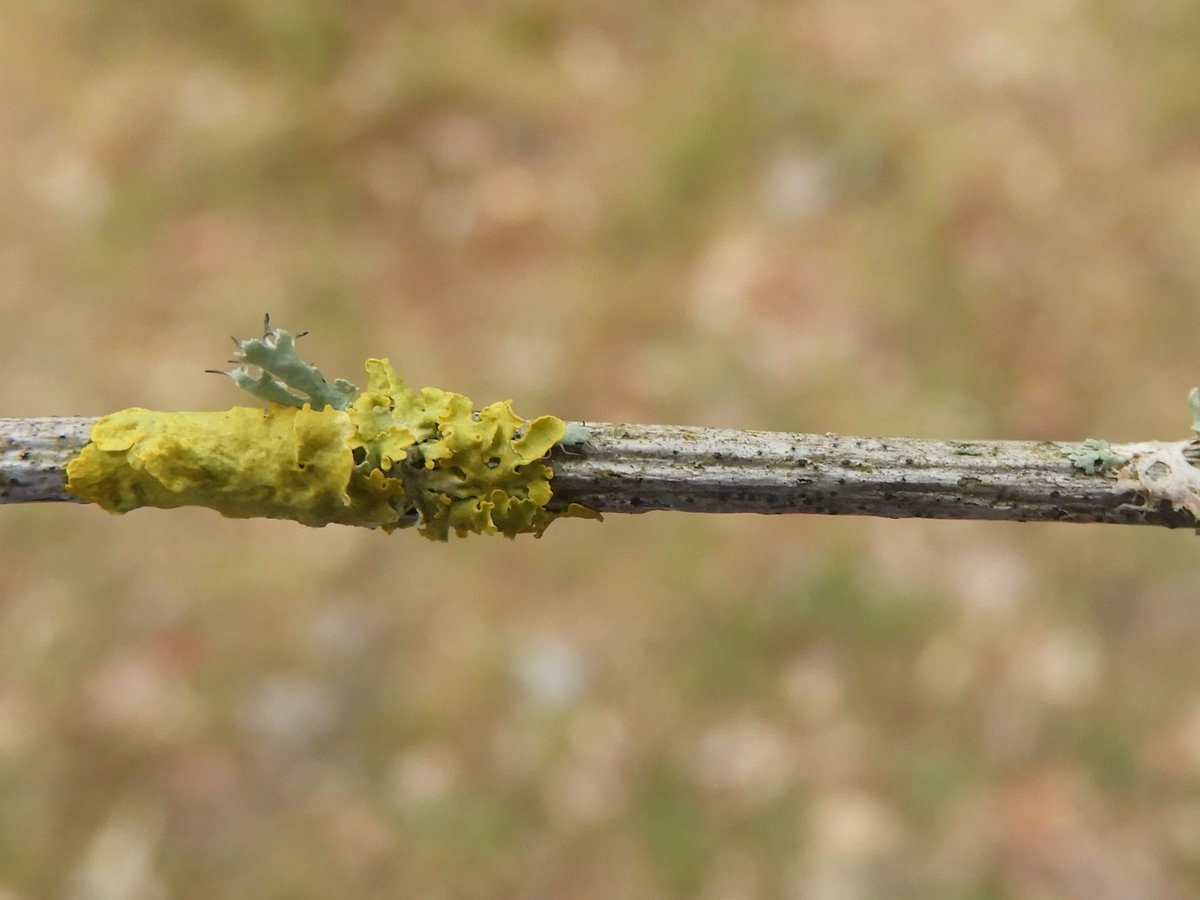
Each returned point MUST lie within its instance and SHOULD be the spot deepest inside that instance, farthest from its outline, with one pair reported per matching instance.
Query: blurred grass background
(945, 219)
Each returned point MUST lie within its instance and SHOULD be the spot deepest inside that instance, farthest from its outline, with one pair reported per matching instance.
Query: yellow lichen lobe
(276, 462)
(397, 457)
(463, 471)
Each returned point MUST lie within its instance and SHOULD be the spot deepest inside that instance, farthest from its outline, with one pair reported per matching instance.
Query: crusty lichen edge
(1156, 471)
(393, 458)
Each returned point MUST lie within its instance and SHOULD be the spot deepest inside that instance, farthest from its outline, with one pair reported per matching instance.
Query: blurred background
(943, 219)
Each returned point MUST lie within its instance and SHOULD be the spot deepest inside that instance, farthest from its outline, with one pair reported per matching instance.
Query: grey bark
(635, 468)
(638, 468)
(34, 454)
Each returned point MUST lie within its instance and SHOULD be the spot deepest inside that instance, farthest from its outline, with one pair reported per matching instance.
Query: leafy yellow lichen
(449, 468)
(396, 457)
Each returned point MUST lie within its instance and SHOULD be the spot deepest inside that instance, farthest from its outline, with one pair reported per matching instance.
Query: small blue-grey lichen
(1094, 456)
(284, 378)
(575, 434)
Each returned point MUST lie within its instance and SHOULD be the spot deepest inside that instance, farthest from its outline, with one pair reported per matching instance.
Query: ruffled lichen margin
(387, 457)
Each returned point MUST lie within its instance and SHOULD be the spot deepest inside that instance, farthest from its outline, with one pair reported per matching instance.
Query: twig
(635, 468)
(34, 454)
(638, 468)
(388, 456)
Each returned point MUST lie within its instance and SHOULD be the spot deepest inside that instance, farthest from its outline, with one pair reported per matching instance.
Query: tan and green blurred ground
(946, 219)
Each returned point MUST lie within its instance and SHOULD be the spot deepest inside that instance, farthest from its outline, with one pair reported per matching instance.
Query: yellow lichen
(396, 457)
(275, 462)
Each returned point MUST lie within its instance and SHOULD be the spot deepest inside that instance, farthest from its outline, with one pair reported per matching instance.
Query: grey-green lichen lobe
(575, 434)
(1094, 456)
(283, 376)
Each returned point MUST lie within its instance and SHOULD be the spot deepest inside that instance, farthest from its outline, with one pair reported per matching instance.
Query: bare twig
(637, 468)
(34, 454)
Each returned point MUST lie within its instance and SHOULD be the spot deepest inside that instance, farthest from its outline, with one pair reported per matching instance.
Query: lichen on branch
(387, 457)
(1155, 471)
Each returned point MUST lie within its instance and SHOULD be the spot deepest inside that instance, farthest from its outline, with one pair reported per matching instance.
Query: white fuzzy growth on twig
(1161, 471)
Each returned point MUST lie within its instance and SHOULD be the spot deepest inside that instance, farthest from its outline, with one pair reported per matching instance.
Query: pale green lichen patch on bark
(1157, 471)
(1094, 456)
(395, 458)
